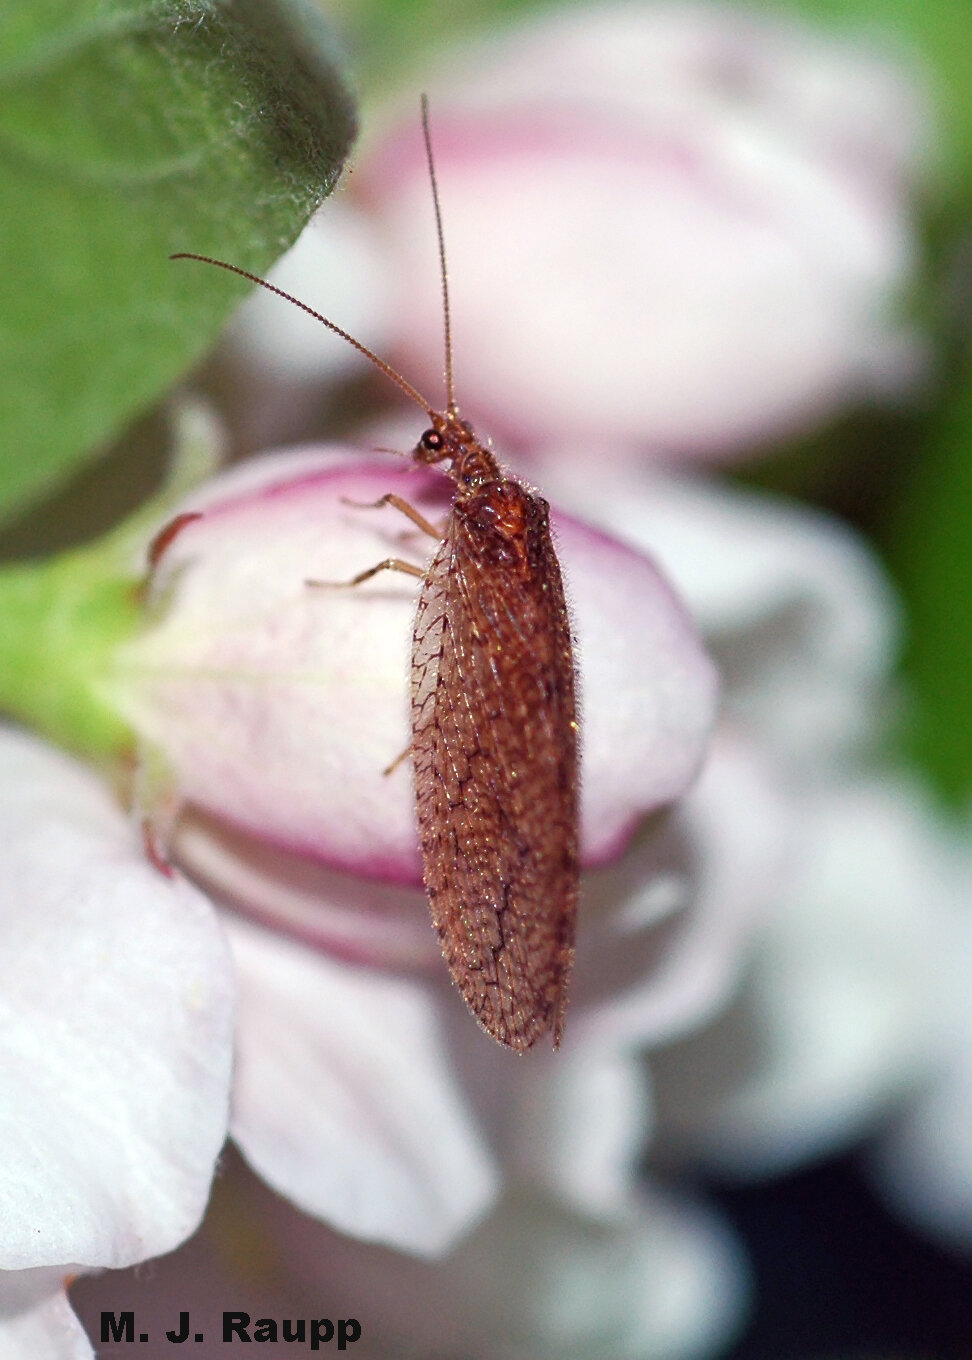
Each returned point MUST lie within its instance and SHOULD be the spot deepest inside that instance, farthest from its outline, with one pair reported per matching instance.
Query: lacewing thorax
(494, 743)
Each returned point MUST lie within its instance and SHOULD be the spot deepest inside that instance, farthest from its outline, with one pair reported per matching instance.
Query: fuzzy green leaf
(129, 131)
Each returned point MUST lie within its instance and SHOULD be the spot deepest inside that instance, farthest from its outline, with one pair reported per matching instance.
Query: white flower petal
(668, 1284)
(839, 1012)
(641, 980)
(36, 1320)
(801, 620)
(581, 1125)
(115, 1028)
(536, 1282)
(344, 1100)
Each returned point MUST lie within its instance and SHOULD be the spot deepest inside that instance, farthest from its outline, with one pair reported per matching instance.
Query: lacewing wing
(494, 746)
(494, 742)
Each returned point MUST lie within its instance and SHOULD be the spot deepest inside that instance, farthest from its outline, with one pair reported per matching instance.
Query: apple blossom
(349, 1037)
(841, 1015)
(841, 1007)
(695, 228)
(365, 1095)
(115, 1049)
(360, 1090)
(804, 625)
(680, 228)
(235, 661)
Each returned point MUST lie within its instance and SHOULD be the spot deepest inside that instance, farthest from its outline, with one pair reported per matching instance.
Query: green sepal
(60, 623)
(62, 619)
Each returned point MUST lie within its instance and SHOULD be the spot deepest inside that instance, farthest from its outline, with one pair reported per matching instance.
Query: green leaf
(130, 130)
(929, 542)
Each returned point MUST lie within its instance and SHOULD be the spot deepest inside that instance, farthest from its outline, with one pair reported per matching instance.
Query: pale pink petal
(116, 1022)
(276, 357)
(336, 266)
(646, 976)
(799, 616)
(838, 1016)
(36, 1320)
(580, 1128)
(647, 689)
(345, 915)
(345, 1101)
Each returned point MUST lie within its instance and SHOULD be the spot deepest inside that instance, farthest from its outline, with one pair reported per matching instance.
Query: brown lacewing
(494, 742)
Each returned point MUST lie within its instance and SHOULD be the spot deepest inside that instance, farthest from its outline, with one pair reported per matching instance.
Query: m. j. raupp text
(315, 1332)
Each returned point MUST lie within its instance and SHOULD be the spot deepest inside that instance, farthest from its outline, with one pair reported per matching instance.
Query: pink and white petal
(925, 1164)
(838, 1017)
(116, 1023)
(579, 1128)
(666, 1284)
(344, 1098)
(537, 1281)
(801, 620)
(274, 705)
(648, 691)
(645, 978)
(36, 1320)
(344, 915)
(244, 675)
(730, 269)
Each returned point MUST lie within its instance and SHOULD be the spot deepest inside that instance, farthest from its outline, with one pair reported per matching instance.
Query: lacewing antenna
(402, 383)
(451, 406)
(412, 393)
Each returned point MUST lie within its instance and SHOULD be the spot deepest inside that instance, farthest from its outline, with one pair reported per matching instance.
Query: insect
(494, 743)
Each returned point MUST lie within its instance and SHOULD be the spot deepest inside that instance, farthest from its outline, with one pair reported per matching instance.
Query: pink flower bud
(674, 228)
(276, 705)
